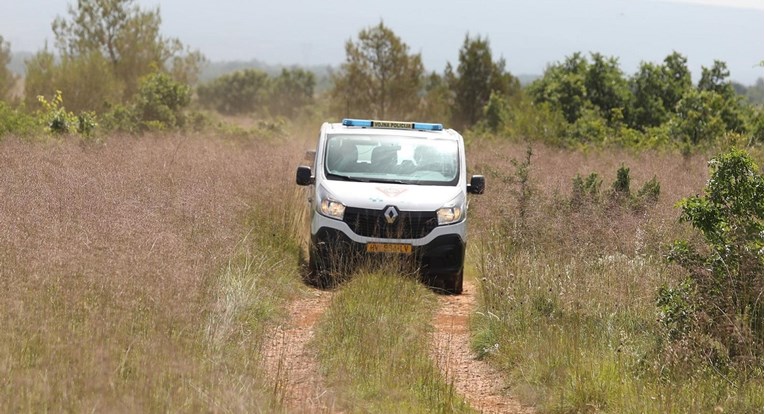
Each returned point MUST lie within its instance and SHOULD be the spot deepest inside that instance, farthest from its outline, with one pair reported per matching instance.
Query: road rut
(477, 381)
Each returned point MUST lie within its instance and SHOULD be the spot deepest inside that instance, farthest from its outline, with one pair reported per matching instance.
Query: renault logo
(391, 214)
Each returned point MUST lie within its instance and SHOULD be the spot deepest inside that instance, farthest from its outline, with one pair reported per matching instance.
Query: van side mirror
(304, 175)
(477, 184)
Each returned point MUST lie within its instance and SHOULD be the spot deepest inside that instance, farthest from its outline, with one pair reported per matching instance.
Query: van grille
(372, 223)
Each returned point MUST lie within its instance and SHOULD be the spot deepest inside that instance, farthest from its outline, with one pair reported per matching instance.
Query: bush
(727, 270)
(55, 116)
(621, 186)
(120, 118)
(15, 121)
(649, 192)
(60, 121)
(161, 100)
(585, 189)
(86, 123)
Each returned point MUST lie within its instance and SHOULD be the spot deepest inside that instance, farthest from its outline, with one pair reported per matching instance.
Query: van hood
(378, 195)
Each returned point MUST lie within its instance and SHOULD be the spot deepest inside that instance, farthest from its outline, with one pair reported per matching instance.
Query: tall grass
(372, 345)
(568, 291)
(139, 275)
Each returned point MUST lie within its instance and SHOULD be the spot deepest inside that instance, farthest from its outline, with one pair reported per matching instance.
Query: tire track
(477, 381)
(291, 364)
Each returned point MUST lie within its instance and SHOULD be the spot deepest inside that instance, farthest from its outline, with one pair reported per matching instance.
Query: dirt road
(296, 375)
(477, 381)
(290, 361)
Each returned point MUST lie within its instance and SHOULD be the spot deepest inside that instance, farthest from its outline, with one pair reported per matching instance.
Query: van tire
(318, 274)
(454, 286)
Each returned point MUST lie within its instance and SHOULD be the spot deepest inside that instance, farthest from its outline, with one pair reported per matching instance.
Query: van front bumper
(441, 258)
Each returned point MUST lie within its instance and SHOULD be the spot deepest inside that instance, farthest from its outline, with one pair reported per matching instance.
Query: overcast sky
(529, 34)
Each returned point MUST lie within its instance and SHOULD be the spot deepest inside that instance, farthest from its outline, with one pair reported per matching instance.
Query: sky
(528, 34)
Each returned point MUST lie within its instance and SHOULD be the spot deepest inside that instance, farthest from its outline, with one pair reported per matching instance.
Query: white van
(383, 188)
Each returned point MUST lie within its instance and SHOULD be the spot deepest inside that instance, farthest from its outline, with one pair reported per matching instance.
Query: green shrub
(161, 100)
(585, 189)
(728, 269)
(621, 186)
(55, 116)
(589, 128)
(86, 123)
(676, 309)
(649, 192)
(120, 118)
(15, 121)
(535, 121)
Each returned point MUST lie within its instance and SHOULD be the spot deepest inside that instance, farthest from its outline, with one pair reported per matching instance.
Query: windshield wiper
(391, 181)
(347, 177)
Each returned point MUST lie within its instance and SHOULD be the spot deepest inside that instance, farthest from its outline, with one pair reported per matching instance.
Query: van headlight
(452, 212)
(448, 215)
(331, 208)
(328, 205)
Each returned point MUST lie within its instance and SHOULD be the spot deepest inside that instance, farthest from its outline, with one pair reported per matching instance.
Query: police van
(384, 189)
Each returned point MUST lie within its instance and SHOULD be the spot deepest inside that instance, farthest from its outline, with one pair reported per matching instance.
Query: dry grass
(110, 264)
(568, 293)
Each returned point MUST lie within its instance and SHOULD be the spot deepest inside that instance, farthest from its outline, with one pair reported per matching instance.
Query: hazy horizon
(528, 35)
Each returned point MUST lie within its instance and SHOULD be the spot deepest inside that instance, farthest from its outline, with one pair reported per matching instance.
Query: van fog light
(448, 215)
(332, 209)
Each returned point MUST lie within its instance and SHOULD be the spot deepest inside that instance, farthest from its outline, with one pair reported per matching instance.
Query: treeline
(113, 66)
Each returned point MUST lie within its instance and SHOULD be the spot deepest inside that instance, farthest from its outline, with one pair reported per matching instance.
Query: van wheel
(318, 274)
(455, 287)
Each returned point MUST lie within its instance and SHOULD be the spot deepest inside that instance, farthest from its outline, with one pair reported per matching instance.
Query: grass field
(569, 289)
(142, 274)
(139, 275)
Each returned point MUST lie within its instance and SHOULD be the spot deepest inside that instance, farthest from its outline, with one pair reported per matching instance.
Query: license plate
(389, 248)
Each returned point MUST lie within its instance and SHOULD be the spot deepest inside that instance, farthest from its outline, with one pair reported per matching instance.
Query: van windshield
(392, 158)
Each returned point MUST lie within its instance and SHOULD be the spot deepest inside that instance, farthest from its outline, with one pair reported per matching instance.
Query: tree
(7, 78)
(677, 80)
(243, 91)
(291, 91)
(39, 80)
(437, 102)
(715, 80)
(648, 108)
(657, 89)
(127, 37)
(379, 78)
(606, 87)
(697, 118)
(563, 87)
(478, 75)
(86, 82)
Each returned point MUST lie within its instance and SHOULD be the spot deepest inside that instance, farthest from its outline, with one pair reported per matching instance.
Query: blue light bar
(424, 126)
(366, 123)
(357, 122)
